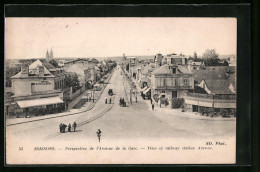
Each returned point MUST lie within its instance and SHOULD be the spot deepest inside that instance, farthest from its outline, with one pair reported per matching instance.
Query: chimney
(41, 71)
(25, 70)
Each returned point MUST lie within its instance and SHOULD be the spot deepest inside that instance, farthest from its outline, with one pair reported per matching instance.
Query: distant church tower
(49, 57)
(51, 54)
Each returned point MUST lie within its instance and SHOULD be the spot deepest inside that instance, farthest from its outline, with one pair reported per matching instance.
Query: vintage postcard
(137, 90)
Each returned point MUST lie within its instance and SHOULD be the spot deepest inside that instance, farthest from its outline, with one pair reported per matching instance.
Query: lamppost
(93, 91)
(136, 95)
(131, 95)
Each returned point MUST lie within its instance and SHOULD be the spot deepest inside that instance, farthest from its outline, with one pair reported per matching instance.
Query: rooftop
(165, 69)
(148, 68)
(33, 70)
(214, 72)
(220, 86)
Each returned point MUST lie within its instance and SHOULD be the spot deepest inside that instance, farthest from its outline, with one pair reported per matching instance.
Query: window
(174, 94)
(160, 82)
(172, 81)
(172, 60)
(176, 82)
(185, 82)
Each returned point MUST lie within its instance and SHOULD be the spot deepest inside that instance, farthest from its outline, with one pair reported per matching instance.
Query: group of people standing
(64, 126)
(122, 102)
(110, 100)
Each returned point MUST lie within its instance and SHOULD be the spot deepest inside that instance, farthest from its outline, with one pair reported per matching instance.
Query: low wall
(76, 94)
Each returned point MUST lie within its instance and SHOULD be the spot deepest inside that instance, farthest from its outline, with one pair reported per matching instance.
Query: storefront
(40, 106)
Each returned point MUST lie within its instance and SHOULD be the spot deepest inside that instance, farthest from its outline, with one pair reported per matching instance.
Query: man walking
(153, 107)
(99, 134)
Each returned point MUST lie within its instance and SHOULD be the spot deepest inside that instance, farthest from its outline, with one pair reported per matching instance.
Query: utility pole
(131, 96)
(136, 95)
(93, 94)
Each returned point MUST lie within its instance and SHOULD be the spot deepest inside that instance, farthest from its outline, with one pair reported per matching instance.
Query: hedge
(177, 102)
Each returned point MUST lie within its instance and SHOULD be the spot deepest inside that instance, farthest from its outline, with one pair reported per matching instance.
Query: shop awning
(39, 102)
(143, 89)
(146, 91)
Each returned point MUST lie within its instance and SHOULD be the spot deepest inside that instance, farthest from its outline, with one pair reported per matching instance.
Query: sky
(27, 38)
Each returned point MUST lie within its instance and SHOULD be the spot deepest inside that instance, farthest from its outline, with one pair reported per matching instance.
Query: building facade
(32, 87)
(176, 59)
(174, 81)
(219, 96)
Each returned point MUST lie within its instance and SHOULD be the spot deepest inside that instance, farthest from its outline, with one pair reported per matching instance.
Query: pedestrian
(110, 100)
(99, 134)
(64, 128)
(74, 126)
(106, 100)
(123, 100)
(60, 127)
(136, 98)
(153, 107)
(69, 128)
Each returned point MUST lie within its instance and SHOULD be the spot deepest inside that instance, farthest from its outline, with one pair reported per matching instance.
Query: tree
(94, 60)
(54, 63)
(210, 58)
(73, 81)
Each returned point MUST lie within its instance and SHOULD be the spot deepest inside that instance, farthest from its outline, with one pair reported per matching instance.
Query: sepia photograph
(120, 90)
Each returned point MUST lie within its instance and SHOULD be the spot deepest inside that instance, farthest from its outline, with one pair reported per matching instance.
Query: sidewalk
(86, 107)
(75, 101)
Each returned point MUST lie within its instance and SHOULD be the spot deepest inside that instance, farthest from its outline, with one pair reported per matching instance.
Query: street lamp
(131, 96)
(136, 95)
(93, 91)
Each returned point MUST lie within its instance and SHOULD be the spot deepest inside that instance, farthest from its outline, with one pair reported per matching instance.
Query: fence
(210, 96)
(76, 94)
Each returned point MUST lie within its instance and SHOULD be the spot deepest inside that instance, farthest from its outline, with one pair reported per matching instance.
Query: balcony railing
(210, 96)
(175, 87)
